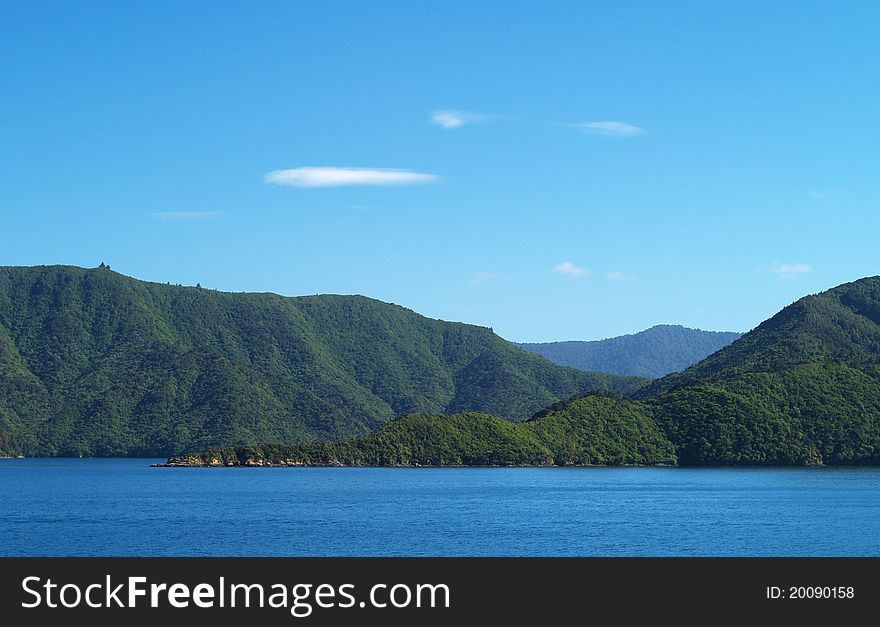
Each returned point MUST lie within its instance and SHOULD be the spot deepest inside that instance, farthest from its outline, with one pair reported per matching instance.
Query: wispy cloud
(790, 270)
(819, 194)
(172, 216)
(611, 129)
(341, 177)
(456, 119)
(482, 277)
(619, 277)
(567, 268)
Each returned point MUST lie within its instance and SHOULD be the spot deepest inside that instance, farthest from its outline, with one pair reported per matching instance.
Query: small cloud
(618, 277)
(830, 193)
(482, 277)
(457, 119)
(789, 270)
(179, 216)
(340, 177)
(567, 268)
(612, 129)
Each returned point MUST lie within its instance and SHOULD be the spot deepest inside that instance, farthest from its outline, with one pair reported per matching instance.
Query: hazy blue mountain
(652, 353)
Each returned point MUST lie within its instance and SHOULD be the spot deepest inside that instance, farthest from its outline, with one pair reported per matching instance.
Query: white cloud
(184, 215)
(339, 177)
(456, 119)
(612, 129)
(482, 277)
(619, 277)
(789, 270)
(567, 268)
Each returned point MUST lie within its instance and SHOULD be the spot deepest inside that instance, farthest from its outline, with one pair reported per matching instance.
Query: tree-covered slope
(813, 414)
(841, 325)
(802, 388)
(593, 430)
(96, 363)
(652, 353)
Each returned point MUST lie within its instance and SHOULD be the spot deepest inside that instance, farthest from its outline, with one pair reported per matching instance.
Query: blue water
(123, 507)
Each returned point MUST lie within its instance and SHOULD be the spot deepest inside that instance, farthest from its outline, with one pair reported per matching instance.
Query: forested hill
(96, 363)
(652, 353)
(802, 388)
(839, 326)
(594, 430)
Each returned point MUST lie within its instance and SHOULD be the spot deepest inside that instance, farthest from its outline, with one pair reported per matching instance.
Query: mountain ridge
(96, 363)
(827, 326)
(802, 388)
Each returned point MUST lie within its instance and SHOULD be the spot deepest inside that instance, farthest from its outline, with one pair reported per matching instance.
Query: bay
(122, 507)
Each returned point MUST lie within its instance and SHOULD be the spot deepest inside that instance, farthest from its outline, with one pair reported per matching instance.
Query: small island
(596, 430)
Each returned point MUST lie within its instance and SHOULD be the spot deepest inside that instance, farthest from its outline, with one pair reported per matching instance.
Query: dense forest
(652, 353)
(813, 414)
(96, 363)
(802, 388)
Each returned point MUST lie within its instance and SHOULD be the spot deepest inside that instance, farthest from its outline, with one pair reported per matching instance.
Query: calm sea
(124, 507)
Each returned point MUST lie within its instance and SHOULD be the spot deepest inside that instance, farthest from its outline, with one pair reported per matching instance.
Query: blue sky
(553, 170)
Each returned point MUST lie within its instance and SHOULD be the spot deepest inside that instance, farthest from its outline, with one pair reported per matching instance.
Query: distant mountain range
(96, 363)
(803, 388)
(652, 353)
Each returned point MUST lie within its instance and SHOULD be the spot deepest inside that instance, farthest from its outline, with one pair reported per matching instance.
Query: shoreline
(275, 465)
(463, 466)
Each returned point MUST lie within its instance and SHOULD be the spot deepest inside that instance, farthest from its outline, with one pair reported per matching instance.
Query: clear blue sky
(574, 170)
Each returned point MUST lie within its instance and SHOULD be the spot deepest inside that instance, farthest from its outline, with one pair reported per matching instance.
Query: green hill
(652, 353)
(96, 363)
(815, 414)
(841, 325)
(803, 387)
(593, 430)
